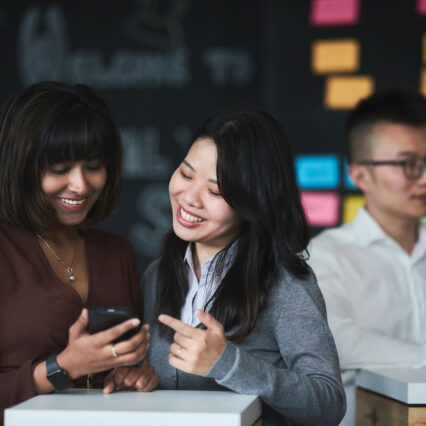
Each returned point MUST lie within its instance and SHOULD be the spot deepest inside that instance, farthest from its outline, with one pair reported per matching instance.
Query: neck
(62, 236)
(405, 231)
(200, 254)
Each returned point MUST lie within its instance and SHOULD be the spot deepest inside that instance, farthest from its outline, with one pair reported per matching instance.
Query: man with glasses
(372, 271)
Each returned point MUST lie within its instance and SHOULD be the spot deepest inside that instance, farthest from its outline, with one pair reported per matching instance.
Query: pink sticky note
(334, 12)
(421, 7)
(321, 208)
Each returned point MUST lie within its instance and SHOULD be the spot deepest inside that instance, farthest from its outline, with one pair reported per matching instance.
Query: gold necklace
(69, 269)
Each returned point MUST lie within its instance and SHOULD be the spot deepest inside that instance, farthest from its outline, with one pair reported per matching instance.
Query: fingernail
(146, 327)
(136, 321)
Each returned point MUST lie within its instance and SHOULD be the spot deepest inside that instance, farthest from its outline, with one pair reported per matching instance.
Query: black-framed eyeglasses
(413, 168)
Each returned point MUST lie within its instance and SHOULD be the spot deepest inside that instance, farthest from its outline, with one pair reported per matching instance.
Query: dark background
(163, 66)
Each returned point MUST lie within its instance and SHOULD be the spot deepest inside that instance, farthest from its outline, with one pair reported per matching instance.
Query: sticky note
(317, 171)
(321, 208)
(421, 7)
(329, 56)
(423, 82)
(348, 181)
(351, 205)
(424, 220)
(344, 92)
(334, 12)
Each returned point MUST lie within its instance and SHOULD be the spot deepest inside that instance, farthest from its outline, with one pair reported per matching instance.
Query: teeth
(72, 202)
(189, 218)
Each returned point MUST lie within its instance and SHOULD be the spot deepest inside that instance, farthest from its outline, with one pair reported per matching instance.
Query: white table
(390, 397)
(160, 407)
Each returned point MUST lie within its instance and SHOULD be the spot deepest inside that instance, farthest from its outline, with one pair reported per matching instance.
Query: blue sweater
(289, 359)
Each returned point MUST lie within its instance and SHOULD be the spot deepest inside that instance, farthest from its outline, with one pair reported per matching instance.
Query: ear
(360, 176)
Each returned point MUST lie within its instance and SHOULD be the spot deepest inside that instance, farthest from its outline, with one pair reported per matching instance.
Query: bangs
(78, 135)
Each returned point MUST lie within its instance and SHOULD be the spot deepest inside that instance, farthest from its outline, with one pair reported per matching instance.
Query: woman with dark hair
(60, 166)
(238, 308)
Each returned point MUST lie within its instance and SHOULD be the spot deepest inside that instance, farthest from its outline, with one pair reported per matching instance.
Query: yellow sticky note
(424, 48)
(345, 92)
(351, 205)
(329, 56)
(423, 82)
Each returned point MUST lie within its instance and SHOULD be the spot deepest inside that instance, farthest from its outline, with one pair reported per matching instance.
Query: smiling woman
(231, 302)
(60, 165)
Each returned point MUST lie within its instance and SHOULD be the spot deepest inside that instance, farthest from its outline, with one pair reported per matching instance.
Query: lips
(188, 219)
(72, 203)
(421, 197)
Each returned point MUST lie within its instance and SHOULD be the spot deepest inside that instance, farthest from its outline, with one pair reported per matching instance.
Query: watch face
(56, 375)
(60, 380)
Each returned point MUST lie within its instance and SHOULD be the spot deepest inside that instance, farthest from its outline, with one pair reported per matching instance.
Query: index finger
(177, 325)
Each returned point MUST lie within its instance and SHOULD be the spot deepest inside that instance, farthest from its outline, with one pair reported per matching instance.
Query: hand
(195, 351)
(142, 379)
(87, 353)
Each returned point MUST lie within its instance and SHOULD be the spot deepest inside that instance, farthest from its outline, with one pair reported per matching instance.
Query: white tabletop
(407, 385)
(160, 407)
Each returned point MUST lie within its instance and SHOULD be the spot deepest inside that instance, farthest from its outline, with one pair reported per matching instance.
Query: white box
(159, 408)
(407, 385)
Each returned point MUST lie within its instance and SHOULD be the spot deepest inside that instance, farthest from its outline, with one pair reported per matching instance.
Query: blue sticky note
(317, 171)
(348, 181)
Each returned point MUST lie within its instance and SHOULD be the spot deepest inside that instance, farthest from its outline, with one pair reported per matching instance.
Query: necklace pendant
(71, 274)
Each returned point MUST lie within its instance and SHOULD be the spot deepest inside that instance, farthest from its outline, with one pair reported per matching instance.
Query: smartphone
(101, 318)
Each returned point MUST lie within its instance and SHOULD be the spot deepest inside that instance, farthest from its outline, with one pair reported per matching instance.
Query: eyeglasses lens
(414, 168)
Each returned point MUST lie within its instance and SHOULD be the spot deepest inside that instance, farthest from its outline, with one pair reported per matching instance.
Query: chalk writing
(157, 23)
(45, 55)
(229, 66)
(42, 49)
(141, 156)
(153, 205)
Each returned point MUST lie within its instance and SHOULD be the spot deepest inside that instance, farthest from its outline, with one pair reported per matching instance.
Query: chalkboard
(163, 66)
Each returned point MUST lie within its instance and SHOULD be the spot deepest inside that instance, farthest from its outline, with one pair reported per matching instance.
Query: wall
(164, 65)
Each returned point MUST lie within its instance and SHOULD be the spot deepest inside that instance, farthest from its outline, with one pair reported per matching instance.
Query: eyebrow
(193, 169)
(413, 153)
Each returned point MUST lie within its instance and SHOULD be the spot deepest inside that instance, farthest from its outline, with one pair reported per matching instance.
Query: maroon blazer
(37, 309)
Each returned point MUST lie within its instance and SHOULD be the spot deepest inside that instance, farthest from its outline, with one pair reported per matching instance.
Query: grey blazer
(289, 359)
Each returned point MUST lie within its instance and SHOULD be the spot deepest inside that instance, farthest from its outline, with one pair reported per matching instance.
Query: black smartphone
(101, 318)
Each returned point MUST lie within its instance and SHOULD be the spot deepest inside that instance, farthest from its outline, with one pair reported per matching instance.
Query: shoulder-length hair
(256, 177)
(50, 123)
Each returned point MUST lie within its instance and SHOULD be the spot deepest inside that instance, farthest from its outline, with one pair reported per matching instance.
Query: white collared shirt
(200, 293)
(375, 295)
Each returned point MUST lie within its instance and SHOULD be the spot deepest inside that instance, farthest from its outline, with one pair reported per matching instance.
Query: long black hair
(256, 177)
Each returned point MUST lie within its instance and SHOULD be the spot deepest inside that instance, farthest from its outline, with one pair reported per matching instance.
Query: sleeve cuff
(225, 363)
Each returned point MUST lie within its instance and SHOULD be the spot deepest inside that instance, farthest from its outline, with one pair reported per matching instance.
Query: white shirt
(375, 295)
(200, 293)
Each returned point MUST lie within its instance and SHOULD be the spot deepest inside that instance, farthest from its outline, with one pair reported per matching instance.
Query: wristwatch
(56, 375)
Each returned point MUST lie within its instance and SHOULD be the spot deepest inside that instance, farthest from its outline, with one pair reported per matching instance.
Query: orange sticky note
(351, 205)
(329, 56)
(423, 82)
(345, 92)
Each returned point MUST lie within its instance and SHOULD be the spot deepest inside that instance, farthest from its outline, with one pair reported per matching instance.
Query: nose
(192, 197)
(77, 180)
